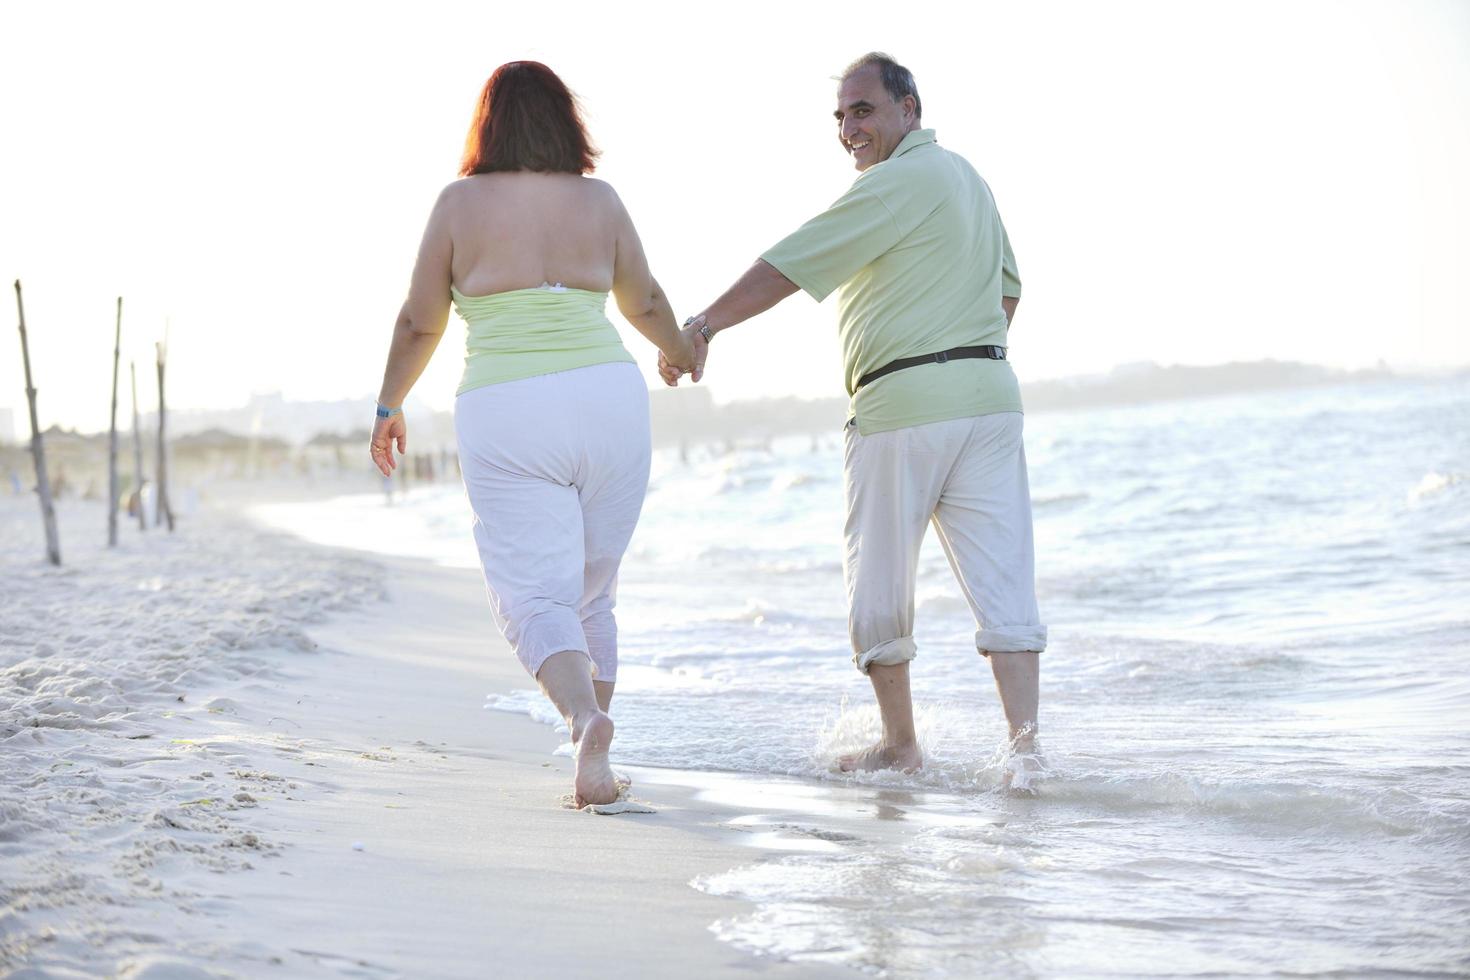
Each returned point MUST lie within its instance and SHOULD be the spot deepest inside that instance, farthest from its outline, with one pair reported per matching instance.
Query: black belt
(953, 354)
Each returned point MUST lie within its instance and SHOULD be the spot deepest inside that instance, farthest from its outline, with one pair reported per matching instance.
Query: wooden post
(137, 451)
(163, 512)
(38, 450)
(112, 436)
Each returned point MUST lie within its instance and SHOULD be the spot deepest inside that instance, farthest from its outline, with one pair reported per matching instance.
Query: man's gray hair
(898, 81)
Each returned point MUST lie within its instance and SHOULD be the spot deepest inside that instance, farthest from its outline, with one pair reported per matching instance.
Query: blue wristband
(388, 413)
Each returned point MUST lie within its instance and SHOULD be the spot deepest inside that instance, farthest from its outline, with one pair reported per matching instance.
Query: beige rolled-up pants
(967, 476)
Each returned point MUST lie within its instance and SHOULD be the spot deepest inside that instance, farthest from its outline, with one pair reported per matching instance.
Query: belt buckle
(942, 357)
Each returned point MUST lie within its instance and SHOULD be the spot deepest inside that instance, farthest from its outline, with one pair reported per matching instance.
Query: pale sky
(1183, 183)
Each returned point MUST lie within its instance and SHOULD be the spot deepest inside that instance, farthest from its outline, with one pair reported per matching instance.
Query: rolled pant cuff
(534, 662)
(602, 646)
(889, 653)
(547, 633)
(1011, 639)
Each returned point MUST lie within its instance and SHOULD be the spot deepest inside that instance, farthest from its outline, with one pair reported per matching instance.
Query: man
(927, 287)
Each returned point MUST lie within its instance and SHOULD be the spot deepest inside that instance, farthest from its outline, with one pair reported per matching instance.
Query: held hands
(697, 348)
(385, 432)
(679, 359)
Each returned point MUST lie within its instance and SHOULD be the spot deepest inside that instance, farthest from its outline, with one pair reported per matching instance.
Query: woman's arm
(640, 299)
(417, 332)
(425, 313)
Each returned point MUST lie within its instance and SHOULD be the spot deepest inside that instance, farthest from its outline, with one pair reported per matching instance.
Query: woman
(552, 413)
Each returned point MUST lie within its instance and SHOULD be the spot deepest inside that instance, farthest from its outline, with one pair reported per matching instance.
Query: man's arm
(1010, 278)
(761, 288)
(817, 258)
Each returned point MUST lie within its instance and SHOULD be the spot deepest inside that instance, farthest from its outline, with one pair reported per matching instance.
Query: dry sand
(228, 753)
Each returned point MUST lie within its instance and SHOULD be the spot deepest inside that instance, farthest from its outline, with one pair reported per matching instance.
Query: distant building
(270, 415)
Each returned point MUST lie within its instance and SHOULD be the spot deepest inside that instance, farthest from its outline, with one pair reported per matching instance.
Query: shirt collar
(916, 138)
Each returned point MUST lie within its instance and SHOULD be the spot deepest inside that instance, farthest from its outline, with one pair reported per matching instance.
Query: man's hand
(762, 287)
(672, 372)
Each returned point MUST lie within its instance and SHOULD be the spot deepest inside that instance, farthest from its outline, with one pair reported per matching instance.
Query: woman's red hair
(527, 119)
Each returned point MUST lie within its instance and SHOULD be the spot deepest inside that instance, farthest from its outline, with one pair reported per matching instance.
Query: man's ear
(909, 105)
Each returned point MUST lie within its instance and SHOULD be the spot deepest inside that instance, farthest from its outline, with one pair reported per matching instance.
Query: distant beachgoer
(552, 412)
(927, 288)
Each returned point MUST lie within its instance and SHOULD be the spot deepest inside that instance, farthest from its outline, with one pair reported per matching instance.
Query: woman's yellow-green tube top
(526, 332)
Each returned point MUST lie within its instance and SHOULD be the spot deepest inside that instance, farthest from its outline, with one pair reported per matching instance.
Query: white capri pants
(969, 477)
(556, 467)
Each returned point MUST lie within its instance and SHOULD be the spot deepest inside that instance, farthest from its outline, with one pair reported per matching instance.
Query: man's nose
(849, 127)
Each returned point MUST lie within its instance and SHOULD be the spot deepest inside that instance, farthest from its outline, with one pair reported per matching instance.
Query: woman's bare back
(499, 232)
(518, 230)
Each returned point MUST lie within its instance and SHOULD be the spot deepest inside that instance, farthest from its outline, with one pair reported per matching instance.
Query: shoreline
(334, 799)
(1239, 785)
(479, 777)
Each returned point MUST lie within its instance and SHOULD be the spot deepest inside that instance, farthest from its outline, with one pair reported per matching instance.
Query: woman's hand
(689, 358)
(385, 431)
(680, 354)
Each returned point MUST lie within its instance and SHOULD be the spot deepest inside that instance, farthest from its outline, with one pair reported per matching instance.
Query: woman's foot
(594, 781)
(905, 758)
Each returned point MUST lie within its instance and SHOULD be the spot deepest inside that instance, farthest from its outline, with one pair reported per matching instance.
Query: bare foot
(1024, 765)
(905, 758)
(1021, 775)
(594, 781)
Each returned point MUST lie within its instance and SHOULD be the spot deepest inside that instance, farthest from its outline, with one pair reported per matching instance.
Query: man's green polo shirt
(920, 260)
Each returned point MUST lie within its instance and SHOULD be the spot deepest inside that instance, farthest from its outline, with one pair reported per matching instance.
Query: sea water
(1255, 702)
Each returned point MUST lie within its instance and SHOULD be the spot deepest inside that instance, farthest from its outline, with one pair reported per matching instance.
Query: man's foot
(594, 781)
(905, 758)
(1024, 765)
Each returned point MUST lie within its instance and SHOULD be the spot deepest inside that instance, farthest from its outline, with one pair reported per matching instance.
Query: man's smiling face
(870, 124)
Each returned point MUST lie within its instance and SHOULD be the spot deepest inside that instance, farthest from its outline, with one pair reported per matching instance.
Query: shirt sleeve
(830, 249)
(1010, 277)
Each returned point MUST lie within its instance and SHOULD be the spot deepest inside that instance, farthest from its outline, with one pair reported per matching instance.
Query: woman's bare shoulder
(467, 195)
(604, 195)
(453, 193)
(463, 187)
